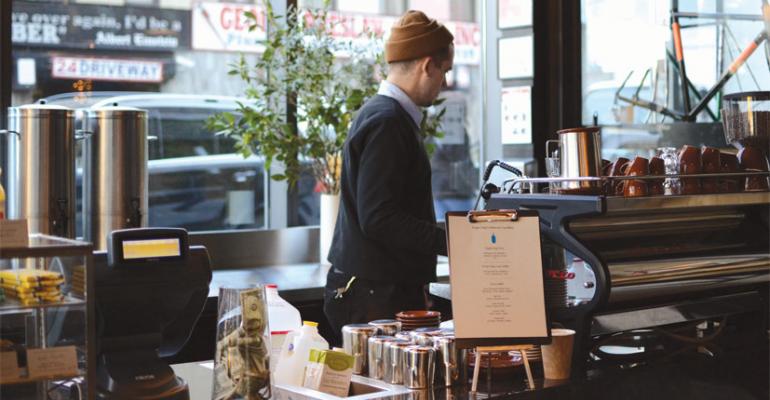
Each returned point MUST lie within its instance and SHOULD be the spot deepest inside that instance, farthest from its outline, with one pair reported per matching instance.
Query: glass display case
(46, 320)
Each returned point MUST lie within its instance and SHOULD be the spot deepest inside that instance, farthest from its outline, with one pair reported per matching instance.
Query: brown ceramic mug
(752, 159)
(636, 188)
(689, 164)
(728, 163)
(615, 187)
(657, 167)
(710, 164)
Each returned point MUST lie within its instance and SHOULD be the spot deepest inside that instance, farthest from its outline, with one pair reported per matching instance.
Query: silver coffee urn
(115, 184)
(41, 168)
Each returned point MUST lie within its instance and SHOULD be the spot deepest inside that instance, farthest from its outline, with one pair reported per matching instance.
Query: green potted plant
(304, 90)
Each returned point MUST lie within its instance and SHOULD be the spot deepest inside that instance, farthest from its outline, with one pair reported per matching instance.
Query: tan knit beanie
(415, 35)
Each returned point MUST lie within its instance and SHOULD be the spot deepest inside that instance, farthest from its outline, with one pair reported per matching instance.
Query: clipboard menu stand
(496, 275)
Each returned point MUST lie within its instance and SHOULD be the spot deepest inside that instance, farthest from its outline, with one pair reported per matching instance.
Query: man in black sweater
(386, 238)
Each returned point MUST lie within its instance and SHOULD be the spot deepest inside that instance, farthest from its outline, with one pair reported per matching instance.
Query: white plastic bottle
(283, 319)
(296, 352)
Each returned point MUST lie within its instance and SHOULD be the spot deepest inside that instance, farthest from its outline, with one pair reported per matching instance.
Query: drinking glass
(553, 170)
(670, 156)
(242, 358)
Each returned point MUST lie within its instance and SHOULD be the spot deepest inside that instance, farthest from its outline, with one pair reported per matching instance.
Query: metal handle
(7, 131)
(152, 138)
(81, 134)
(495, 215)
(547, 142)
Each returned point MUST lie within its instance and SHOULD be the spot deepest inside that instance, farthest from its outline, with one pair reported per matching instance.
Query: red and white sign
(352, 26)
(225, 27)
(107, 69)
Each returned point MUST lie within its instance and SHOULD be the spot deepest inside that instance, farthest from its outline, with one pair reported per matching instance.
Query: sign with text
(107, 69)
(514, 13)
(99, 26)
(14, 233)
(516, 115)
(496, 273)
(52, 362)
(225, 26)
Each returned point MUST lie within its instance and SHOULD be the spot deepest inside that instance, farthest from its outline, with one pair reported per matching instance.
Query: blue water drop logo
(494, 239)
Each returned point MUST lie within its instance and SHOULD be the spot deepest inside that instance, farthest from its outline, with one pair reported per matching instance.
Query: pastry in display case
(46, 335)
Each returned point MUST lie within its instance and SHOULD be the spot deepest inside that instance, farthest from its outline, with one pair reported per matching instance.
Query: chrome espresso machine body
(618, 264)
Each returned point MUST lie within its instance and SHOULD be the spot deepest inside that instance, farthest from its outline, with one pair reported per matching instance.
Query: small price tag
(51, 362)
(9, 367)
(13, 233)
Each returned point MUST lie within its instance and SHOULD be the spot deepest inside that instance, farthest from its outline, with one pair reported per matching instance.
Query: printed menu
(497, 278)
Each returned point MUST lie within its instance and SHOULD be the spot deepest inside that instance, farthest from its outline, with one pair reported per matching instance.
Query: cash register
(150, 288)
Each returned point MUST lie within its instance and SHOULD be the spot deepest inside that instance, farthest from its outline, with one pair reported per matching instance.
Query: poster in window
(516, 115)
(514, 13)
(514, 57)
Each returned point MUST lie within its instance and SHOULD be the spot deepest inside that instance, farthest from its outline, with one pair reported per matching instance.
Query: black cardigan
(386, 228)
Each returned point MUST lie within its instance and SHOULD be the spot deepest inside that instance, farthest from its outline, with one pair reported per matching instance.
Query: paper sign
(13, 233)
(53, 361)
(516, 115)
(9, 367)
(497, 279)
(515, 57)
(514, 13)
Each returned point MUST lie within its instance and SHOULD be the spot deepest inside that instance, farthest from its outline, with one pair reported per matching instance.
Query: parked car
(195, 180)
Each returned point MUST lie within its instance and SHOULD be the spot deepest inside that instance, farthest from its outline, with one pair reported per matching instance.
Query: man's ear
(425, 65)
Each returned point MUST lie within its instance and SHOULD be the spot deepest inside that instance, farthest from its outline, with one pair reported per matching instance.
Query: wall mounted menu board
(496, 275)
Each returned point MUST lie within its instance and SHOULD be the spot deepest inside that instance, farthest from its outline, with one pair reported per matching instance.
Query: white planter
(330, 205)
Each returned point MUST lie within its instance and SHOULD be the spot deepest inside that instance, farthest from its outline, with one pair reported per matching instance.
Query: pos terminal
(150, 289)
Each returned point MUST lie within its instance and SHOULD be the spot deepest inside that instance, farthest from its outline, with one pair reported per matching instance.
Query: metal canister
(580, 152)
(393, 361)
(387, 327)
(405, 335)
(376, 355)
(116, 171)
(355, 339)
(451, 361)
(419, 366)
(41, 168)
(425, 336)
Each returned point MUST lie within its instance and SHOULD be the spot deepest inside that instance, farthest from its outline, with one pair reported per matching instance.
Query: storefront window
(169, 57)
(633, 38)
(172, 57)
(456, 158)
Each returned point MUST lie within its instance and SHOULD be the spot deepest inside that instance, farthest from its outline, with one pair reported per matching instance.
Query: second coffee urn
(116, 177)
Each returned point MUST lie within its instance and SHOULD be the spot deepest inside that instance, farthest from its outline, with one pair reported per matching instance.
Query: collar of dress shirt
(391, 90)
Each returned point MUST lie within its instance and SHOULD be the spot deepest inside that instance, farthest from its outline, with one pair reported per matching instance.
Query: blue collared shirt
(391, 90)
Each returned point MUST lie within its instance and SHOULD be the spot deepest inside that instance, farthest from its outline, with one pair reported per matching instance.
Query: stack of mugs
(689, 160)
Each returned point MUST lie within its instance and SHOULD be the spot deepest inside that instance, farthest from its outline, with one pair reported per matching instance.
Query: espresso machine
(633, 267)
